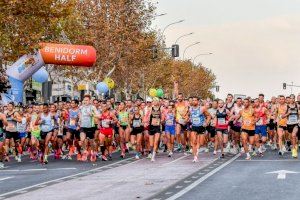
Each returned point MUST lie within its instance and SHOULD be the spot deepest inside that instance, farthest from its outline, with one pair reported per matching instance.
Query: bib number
(293, 119)
(136, 123)
(260, 122)
(155, 122)
(221, 121)
(72, 122)
(169, 122)
(181, 121)
(105, 123)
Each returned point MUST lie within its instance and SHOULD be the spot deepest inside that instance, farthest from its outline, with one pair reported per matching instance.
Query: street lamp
(177, 22)
(159, 15)
(202, 54)
(189, 47)
(182, 36)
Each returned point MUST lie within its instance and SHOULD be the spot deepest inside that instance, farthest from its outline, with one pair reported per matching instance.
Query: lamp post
(182, 36)
(201, 54)
(177, 22)
(189, 47)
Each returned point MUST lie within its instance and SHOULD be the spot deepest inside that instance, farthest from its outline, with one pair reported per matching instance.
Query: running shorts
(11, 135)
(283, 127)
(290, 127)
(236, 128)
(44, 134)
(154, 129)
(211, 130)
(198, 129)
(170, 130)
(108, 132)
(74, 133)
(271, 125)
(22, 135)
(137, 130)
(261, 130)
(89, 132)
(223, 131)
(249, 132)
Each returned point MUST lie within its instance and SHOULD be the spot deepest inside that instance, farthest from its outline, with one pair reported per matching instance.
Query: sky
(255, 43)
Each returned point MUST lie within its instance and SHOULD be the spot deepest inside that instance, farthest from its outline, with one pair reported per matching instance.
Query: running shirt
(22, 126)
(1, 131)
(293, 116)
(169, 119)
(222, 119)
(155, 117)
(34, 129)
(197, 117)
(12, 123)
(46, 125)
(236, 110)
(282, 121)
(123, 118)
(248, 119)
(212, 112)
(229, 106)
(87, 116)
(137, 121)
(262, 116)
(73, 117)
(106, 120)
(181, 111)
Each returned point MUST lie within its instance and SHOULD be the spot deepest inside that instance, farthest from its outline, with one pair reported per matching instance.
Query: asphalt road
(167, 178)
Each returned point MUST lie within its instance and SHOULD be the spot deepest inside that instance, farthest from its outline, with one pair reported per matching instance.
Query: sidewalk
(138, 180)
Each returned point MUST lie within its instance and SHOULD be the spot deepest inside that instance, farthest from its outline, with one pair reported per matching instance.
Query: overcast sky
(255, 43)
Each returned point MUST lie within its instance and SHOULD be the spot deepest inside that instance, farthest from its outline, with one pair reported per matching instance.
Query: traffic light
(175, 50)
(217, 88)
(154, 52)
(284, 86)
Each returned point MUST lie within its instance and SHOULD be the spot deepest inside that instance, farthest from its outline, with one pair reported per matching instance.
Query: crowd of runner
(93, 129)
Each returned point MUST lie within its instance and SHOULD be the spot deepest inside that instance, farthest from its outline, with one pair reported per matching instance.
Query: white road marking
(2, 179)
(32, 170)
(288, 160)
(187, 181)
(59, 179)
(281, 174)
(180, 158)
(200, 180)
(178, 186)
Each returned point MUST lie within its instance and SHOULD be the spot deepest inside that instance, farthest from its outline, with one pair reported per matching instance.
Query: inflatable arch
(49, 53)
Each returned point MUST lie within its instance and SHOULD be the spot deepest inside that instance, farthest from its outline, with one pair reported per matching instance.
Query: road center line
(31, 170)
(2, 179)
(62, 178)
(289, 160)
(177, 159)
(203, 178)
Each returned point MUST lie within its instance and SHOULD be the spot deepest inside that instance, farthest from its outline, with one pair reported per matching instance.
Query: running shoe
(104, 158)
(149, 156)
(215, 152)
(84, 156)
(45, 159)
(122, 155)
(1, 165)
(137, 156)
(19, 158)
(153, 157)
(195, 159)
(79, 157)
(223, 155)
(93, 157)
(248, 158)
(170, 154)
(109, 157)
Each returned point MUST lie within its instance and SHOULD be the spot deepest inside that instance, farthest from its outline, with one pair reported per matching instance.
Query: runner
(261, 134)
(124, 128)
(222, 119)
(155, 128)
(3, 123)
(282, 114)
(248, 126)
(211, 128)
(137, 130)
(45, 121)
(292, 125)
(236, 126)
(199, 118)
(107, 118)
(170, 123)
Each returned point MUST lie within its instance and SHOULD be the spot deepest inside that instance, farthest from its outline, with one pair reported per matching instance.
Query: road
(167, 178)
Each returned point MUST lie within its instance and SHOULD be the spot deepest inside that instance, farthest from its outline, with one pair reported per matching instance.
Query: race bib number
(260, 122)
(196, 120)
(293, 119)
(247, 122)
(72, 122)
(181, 121)
(155, 122)
(11, 127)
(169, 122)
(221, 121)
(105, 123)
(136, 123)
